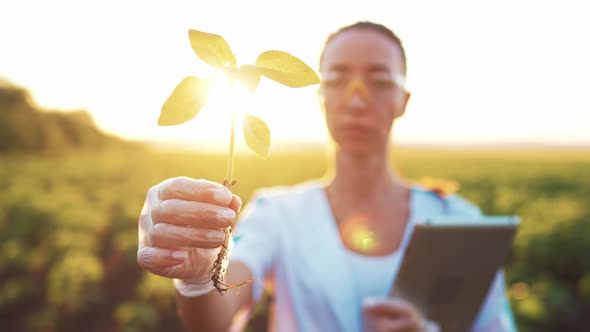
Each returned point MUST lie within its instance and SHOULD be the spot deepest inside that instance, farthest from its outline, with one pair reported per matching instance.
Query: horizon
(521, 81)
(222, 147)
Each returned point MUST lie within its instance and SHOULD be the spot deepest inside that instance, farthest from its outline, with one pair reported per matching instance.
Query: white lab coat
(290, 232)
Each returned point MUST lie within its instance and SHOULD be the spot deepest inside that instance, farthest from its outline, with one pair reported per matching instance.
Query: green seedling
(192, 94)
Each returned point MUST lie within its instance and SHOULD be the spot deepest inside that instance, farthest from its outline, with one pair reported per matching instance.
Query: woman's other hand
(394, 315)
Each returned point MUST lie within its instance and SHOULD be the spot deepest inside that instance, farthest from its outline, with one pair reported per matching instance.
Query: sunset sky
(480, 71)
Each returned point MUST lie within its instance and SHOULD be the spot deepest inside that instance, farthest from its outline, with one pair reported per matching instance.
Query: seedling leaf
(286, 69)
(257, 135)
(185, 102)
(211, 48)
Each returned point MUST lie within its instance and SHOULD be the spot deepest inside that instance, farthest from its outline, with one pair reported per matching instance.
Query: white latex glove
(181, 229)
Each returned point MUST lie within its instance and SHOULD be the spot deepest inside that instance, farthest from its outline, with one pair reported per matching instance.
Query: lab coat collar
(322, 252)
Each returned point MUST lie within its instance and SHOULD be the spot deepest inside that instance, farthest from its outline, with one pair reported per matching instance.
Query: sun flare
(227, 97)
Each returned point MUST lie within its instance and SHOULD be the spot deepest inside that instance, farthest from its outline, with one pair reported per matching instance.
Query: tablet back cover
(449, 266)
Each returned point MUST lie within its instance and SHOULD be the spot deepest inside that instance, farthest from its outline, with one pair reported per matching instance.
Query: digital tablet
(450, 264)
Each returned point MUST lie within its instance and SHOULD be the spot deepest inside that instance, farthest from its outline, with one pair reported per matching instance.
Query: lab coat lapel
(321, 250)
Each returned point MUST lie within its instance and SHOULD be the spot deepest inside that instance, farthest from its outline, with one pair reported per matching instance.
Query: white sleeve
(256, 239)
(495, 315)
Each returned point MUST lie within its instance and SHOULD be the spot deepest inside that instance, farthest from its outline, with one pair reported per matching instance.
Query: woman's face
(362, 89)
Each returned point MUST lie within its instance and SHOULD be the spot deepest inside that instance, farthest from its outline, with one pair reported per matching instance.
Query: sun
(211, 127)
(225, 98)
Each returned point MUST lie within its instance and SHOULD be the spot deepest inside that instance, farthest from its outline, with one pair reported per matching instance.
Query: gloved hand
(181, 229)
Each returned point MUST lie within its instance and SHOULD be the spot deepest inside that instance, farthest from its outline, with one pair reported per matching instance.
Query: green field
(68, 230)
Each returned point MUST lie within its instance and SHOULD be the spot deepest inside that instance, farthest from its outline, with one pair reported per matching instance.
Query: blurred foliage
(68, 232)
(25, 127)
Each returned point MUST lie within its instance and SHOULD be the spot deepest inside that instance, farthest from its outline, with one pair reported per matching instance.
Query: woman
(332, 248)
